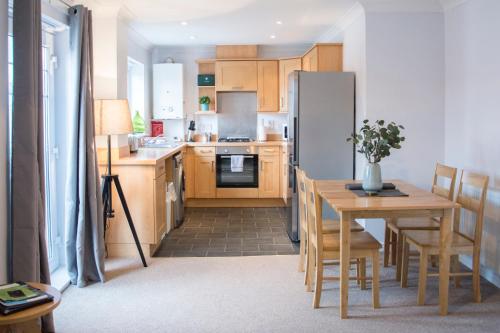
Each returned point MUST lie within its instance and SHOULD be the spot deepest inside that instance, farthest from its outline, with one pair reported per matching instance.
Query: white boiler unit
(168, 99)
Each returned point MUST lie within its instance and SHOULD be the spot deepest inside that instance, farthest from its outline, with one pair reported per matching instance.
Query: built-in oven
(237, 167)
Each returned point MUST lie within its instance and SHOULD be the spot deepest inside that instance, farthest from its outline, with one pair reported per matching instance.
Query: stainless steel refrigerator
(321, 117)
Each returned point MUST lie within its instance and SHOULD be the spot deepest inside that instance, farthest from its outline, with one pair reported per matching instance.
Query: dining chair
(324, 247)
(393, 244)
(427, 241)
(329, 226)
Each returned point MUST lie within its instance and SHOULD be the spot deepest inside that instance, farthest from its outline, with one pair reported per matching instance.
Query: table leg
(444, 261)
(345, 246)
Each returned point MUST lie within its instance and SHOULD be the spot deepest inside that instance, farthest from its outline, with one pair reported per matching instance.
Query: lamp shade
(112, 117)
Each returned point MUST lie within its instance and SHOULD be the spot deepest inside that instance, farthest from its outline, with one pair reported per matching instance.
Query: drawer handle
(237, 88)
(269, 150)
(205, 151)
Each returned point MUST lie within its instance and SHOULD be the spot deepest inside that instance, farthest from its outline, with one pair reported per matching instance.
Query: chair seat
(414, 224)
(359, 241)
(333, 226)
(430, 238)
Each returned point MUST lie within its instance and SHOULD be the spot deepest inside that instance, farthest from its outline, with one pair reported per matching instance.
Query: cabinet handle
(237, 88)
(261, 166)
(212, 166)
(281, 102)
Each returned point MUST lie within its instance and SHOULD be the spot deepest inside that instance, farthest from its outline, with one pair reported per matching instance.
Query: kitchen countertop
(151, 156)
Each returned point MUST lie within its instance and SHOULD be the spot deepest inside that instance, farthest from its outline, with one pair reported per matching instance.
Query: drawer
(269, 150)
(160, 169)
(205, 151)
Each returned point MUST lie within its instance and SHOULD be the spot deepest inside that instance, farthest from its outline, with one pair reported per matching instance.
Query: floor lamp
(112, 117)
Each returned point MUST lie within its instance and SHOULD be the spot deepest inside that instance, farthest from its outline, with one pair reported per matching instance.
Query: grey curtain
(28, 253)
(83, 217)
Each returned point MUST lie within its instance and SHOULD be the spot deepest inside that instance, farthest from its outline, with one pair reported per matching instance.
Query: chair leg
(404, 263)
(387, 242)
(310, 267)
(302, 250)
(394, 249)
(476, 278)
(362, 273)
(455, 266)
(358, 272)
(319, 280)
(399, 253)
(375, 280)
(422, 277)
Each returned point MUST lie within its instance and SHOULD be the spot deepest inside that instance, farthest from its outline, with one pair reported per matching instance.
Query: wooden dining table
(418, 203)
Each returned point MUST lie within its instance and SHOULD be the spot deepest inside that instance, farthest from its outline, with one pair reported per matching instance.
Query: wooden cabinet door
(160, 206)
(236, 75)
(310, 60)
(267, 86)
(286, 67)
(189, 174)
(269, 176)
(204, 184)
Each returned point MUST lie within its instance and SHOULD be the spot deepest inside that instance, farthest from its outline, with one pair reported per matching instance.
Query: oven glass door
(248, 178)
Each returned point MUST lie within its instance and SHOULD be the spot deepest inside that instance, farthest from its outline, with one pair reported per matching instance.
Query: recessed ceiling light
(184, 23)
(192, 37)
(279, 22)
(272, 36)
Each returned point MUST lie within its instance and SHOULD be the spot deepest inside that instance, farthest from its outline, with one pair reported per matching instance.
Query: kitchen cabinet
(144, 187)
(323, 58)
(269, 172)
(189, 173)
(236, 75)
(204, 173)
(267, 86)
(286, 66)
(160, 206)
(168, 93)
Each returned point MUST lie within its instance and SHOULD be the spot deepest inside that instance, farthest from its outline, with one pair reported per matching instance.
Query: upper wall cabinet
(236, 75)
(323, 58)
(267, 86)
(168, 100)
(287, 66)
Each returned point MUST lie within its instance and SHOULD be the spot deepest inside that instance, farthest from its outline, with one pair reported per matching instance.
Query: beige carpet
(256, 294)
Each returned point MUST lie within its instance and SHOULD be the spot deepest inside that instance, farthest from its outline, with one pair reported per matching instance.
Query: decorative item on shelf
(138, 123)
(206, 80)
(375, 142)
(205, 103)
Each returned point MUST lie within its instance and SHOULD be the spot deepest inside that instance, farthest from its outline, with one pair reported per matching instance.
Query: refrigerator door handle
(295, 157)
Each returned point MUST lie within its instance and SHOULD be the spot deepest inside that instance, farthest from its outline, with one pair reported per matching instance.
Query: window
(135, 86)
(53, 168)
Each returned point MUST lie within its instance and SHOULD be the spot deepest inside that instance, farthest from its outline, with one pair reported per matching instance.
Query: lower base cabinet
(269, 175)
(204, 175)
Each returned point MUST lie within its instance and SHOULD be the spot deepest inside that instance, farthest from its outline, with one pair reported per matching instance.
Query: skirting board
(229, 203)
(486, 272)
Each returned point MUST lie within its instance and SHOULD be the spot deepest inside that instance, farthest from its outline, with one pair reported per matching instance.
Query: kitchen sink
(160, 143)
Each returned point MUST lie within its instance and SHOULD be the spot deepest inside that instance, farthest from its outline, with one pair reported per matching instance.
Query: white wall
(3, 137)
(105, 49)
(472, 33)
(355, 61)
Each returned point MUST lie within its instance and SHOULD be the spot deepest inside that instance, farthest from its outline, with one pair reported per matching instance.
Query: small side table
(26, 321)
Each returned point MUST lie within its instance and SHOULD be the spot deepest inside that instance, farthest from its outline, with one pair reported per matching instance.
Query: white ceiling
(211, 22)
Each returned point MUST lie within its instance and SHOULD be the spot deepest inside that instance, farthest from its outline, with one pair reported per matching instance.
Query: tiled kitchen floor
(220, 232)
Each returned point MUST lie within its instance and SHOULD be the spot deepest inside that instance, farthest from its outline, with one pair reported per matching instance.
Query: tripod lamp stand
(112, 117)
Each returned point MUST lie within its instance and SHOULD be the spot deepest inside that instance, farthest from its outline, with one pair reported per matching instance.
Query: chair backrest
(315, 230)
(301, 191)
(468, 202)
(448, 173)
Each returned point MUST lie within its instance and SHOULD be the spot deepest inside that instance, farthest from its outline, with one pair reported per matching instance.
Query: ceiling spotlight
(272, 36)
(192, 37)
(279, 22)
(184, 23)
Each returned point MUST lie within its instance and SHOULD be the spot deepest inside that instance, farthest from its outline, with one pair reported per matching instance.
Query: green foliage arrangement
(375, 141)
(204, 100)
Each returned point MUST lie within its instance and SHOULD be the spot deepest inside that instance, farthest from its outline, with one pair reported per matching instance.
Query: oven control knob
(225, 150)
(248, 150)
